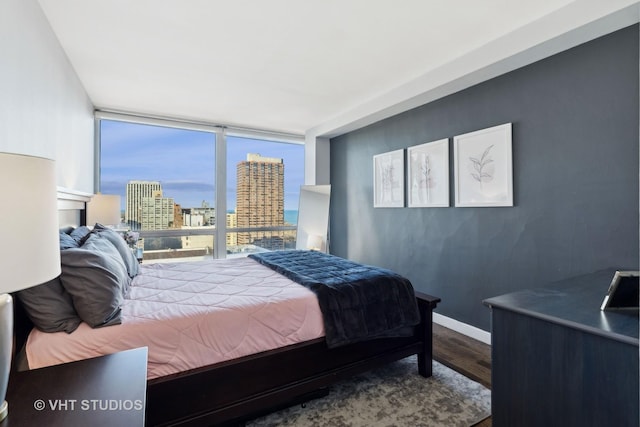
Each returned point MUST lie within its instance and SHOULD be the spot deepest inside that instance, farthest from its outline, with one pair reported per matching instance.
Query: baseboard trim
(463, 328)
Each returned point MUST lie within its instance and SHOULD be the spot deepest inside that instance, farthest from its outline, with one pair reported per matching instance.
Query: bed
(249, 384)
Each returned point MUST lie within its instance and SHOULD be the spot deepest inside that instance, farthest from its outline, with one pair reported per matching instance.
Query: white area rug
(394, 395)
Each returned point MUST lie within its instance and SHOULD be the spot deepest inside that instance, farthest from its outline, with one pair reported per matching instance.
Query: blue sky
(184, 162)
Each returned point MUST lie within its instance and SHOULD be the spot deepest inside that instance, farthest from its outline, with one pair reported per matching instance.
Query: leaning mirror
(313, 217)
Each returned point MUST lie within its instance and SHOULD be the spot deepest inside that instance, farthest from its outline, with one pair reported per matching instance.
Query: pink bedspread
(194, 314)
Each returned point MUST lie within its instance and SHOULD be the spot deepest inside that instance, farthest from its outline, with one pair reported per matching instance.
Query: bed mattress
(193, 314)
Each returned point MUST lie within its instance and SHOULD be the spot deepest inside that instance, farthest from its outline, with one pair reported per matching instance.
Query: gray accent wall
(575, 122)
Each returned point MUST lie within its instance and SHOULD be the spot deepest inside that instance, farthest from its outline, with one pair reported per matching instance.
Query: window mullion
(220, 244)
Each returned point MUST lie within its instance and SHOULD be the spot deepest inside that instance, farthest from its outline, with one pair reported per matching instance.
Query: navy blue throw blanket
(358, 302)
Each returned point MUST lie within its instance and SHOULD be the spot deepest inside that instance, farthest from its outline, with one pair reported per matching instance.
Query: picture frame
(388, 179)
(428, 174)
(483, 166)
(623, 292)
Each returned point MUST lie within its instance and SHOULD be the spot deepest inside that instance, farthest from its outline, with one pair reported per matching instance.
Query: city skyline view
(260, 204)
(183, 161)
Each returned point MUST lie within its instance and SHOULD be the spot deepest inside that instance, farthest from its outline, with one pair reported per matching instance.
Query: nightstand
(103, 391)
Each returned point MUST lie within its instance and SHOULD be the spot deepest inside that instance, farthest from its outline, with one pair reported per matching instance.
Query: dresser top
(574, 302)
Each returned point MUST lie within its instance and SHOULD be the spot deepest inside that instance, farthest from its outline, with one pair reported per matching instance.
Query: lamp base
(4, 410)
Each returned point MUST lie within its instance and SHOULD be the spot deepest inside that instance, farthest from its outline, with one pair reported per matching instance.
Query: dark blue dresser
(557, 360)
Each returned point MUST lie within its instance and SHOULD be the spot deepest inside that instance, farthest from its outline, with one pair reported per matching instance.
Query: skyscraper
(157, 213)
(146, 209)
(260, 197)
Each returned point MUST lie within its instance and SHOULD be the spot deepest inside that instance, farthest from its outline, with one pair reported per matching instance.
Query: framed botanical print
(428, 174)
(483, 167)
(388, 179)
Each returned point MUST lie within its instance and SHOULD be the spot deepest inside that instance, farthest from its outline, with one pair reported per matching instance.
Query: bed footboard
(243, 388)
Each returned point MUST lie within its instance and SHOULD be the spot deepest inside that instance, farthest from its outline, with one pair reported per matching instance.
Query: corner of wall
(316, 160)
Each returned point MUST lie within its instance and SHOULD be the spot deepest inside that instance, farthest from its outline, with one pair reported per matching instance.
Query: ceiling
(296, 66)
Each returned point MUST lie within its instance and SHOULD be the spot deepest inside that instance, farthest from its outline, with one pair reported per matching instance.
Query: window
(165, 173)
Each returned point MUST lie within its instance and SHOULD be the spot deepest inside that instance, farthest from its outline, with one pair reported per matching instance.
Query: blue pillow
(66, 241)
(80, 234)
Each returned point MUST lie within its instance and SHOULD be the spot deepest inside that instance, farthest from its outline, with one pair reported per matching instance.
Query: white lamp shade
(104, 209)
(30, 249)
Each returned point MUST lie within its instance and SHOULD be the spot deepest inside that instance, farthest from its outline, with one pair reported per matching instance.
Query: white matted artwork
(483, 167)
(428, 174)
(388, 179)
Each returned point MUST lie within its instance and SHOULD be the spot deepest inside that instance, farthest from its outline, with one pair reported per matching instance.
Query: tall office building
(157, 213)
(135, 192)
(260, 197)
(145, 208)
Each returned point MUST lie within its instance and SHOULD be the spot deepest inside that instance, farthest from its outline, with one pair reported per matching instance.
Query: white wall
(44, 109)
(316, 160)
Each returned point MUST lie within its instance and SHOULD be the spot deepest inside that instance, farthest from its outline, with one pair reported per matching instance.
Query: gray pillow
(117, 240)
(50, 307)
(95, 276)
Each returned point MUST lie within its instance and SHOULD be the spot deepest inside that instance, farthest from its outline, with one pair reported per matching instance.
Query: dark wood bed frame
(234, 391)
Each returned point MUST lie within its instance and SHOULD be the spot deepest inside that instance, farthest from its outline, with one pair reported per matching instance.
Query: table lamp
(30, 249)
(104, 209)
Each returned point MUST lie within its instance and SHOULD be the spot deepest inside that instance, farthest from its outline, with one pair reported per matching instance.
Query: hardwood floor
(470, 357)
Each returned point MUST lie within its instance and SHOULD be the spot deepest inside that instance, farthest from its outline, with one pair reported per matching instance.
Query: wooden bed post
(426, 304)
